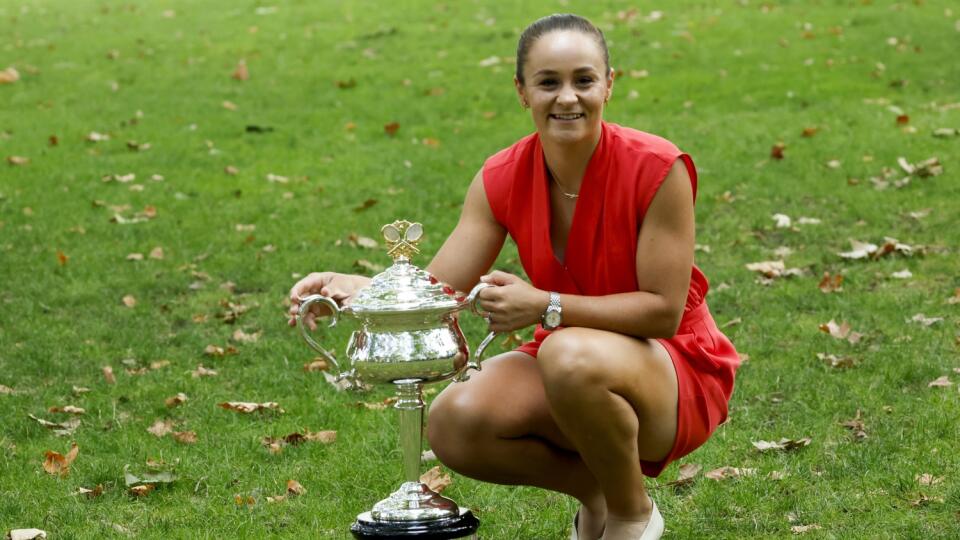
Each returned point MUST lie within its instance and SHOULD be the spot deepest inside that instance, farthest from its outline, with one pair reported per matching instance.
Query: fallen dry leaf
(161, 427)
(60, 429)
(922, 319)
(156, 253)
(68, 409)
(724, 473)
(108, 375)
(176, 400)
(18, 161)
(249, 407)
(391, 128)
(241, 73)
(294, 488)
(800, 529)
(368, 266)
(129, 301)
(841, 331)
(159, 364)
(203, 372)
(857, 426)
(436, 479)
(809, 132)
(214, 350)
(135, 257)
(834, 361)
(902, 274)
(688, 472)
(940, 382)
(427, 456)
(91, 493)
(93, 136)
(783, 221)
(6, 390)
(773, 269)
(318, 364)
(243, 337)
(185, 437)
(58, 464)
(927, 479)
(25, 534)
(776, 152)
(141, 490)
(369, 203)
(831, 283)
(10, 76)
(955, 299)
(783, 444)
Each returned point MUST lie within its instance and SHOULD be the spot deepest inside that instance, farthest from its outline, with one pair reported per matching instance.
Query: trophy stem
(410, 406)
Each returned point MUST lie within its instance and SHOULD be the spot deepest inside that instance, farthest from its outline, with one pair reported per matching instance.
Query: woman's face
(566, 86)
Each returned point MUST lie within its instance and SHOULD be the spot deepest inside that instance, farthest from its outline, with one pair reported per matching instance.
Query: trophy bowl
(408, 336)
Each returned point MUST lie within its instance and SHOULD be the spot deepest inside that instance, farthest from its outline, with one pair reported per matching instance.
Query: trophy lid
(403, 287)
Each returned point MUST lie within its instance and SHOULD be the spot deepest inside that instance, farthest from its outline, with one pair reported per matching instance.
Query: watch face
(552, 319)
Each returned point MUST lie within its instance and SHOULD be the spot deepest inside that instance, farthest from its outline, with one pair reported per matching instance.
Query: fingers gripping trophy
(408, 336)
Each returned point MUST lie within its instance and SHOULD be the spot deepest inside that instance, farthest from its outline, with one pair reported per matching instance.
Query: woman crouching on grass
(627, 370)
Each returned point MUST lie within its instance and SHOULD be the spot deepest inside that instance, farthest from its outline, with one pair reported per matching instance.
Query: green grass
(727, 80)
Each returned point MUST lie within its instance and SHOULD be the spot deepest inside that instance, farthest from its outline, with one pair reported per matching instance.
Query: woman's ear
(610, 79)
(520, 93)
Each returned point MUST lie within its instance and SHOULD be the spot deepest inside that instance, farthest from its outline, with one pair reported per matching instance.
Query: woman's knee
(452, 424)
(571, 357)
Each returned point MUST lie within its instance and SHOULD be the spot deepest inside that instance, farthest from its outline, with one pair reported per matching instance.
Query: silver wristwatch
(552, 318)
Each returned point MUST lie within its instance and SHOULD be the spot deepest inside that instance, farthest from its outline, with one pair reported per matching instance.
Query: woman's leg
(577, 420)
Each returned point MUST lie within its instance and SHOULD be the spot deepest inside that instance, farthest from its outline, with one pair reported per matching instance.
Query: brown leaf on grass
(275, 445)
(232, 311)
(776, 152)
(217, 351)
(800, 529)
(831, 283)
(25, 534)
(391, 128)
(60, 429)
(688, 472)
(436, 479)
(161, 427)
(940, 382)
(9, 76)
(318, 364)
(927, 479)
(203, 372)
(923, 320)
(185, 437)
(91, 493)
(368, 266)
(903, 119)
(135, 257)
(129, 301)
(229, 105)
(18, 161)
(324, 437)
(241, 73)
(58, 464)
(249, 407)
(369, 203)
(783, 444)
(955, 299)
(93, 136)
(6, 390)
(175, 401)
(841, 331)
(856, 426)
(141, 490)
(68, 409)
(924, 500)
(159, 364)
(295, 489)
(724, 473)
(242, 337)
(362, 241)
(349, 83)
(62, 258)
(773, 269)
(377, 405)
(108, 375)
(809, 131)
(946, 132)
(431, 142)
(834, 361)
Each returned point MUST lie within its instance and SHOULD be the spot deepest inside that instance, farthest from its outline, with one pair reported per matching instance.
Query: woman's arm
(473, 245)
(664, 260)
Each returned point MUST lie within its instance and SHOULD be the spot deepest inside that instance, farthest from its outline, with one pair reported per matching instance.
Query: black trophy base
(463, 526)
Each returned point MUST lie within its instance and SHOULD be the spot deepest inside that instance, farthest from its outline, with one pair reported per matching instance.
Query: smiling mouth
(570, 116)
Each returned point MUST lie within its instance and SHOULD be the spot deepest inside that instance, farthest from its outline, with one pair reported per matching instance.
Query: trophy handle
(472, 300)
(313, 298)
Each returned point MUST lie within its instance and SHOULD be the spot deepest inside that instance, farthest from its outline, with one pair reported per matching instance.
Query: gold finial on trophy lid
(402, 238)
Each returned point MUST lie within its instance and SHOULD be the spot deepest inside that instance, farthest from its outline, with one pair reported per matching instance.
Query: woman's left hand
(511, 303)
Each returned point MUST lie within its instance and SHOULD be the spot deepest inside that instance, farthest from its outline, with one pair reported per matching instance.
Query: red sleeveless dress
(623, 175)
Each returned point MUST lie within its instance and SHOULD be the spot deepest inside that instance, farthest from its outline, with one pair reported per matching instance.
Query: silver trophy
(408, 336)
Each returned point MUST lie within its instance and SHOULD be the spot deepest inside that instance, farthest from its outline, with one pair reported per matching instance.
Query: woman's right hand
(339, 287)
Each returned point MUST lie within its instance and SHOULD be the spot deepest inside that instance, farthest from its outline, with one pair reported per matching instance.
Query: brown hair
(551, 23)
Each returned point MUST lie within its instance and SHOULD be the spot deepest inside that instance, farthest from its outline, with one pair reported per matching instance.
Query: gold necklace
(562, 192)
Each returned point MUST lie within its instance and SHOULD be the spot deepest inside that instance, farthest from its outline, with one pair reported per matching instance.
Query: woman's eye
(548, 82)
(585, 81)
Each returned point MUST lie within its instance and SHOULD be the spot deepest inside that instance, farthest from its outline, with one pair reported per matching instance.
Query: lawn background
(724, 80)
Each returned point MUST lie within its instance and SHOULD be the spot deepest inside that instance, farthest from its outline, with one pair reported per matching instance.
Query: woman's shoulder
(516, 152)
(641, 144)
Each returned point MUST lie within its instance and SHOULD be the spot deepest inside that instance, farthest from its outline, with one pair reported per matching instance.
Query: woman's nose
(567, 95)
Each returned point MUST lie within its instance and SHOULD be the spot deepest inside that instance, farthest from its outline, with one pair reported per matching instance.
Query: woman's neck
(568, 161)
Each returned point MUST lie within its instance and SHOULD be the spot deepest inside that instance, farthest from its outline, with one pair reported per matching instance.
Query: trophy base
(463, 525)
